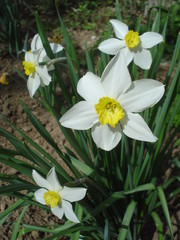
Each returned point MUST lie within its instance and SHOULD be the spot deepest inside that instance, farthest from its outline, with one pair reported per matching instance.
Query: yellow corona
(132, 39)
(29, 67)
(109, 111)
(52, 198)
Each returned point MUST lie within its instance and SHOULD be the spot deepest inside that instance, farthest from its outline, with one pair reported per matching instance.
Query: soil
(10, 107)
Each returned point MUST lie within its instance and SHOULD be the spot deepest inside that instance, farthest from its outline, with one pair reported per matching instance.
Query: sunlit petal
(134, 126)
(33, 83)
(81, 116)
(53, 180)
(143, 59)
(150, 39)
(128, 54)
(58, 212)
(141, 95)
(40, 181)
(69, 213)
(116, 78)
(73, 194)
(45, 78)
(120, 28)
(105, 136)
(90, 87)
(39, 195)
(111, 46)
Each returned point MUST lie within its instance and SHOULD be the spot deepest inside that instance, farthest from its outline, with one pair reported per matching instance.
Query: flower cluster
(112, 103)
(110, 108)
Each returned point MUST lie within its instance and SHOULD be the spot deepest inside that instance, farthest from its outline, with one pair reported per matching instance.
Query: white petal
(41, 56)
(67, 207)
(36, 43)
(141, 95)
(135, 127)
(128, 54)
(45, 78)
(150, 39)
(56, 47)
(40, 181)
(53, 180)
(81, 116)
(28, 57)
(39, 195)
(120, 28)
(116, 78)
(72, 194)
(58, 212)
(33, 84)
(111, 46)
(105, 136)
(143, 59)
(90, 87)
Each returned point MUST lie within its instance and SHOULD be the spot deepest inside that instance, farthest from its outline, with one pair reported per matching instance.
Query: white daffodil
(57, 197)
(111, 105)
(133, 46)
(37, 74)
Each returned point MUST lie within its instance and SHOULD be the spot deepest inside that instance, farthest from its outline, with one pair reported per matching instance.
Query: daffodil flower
(37, 74)
(133, 46)
(57, 197)
(111, 105)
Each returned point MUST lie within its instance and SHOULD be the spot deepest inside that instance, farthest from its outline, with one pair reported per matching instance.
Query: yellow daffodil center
(52, 198)
(109, 111)
(29, 67)
(132, 39)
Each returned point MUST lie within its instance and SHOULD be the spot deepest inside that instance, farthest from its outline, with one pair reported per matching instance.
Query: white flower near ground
(37, 74)
(36, 71)
(57, 197)
(111, 105)
(133, 46)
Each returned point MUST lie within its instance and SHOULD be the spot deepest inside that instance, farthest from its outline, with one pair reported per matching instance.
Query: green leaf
(106, 230)
(69, 46)
(145, 187)
(16, 226)
(79, 213)
(118, 13)
(159, 225)
(82, 166)
(126, 221)
(44, 39)
(165, 209)
(89, 60)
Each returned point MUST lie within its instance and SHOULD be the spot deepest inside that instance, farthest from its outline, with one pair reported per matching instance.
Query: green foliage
(84, 16)
(10, 25)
